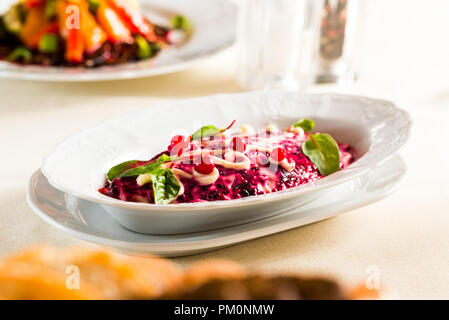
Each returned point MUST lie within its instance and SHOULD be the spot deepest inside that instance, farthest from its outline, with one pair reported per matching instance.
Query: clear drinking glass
(268, 37)
(289, 44)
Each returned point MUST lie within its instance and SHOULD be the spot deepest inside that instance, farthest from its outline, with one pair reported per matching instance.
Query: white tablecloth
(404, 237)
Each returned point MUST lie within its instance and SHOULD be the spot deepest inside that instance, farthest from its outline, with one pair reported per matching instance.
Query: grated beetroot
(260, 178)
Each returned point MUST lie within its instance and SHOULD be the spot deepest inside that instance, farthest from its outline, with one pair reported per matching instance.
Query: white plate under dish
(375, 128)
(90, 222)
(214, 30)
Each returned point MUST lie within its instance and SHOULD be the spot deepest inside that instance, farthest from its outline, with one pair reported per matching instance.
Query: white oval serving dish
(375, 128)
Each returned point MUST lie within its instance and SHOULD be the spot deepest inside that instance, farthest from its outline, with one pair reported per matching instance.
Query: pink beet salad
(214, 164)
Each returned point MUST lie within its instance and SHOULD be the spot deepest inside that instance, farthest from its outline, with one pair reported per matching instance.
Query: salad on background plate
(87, 33)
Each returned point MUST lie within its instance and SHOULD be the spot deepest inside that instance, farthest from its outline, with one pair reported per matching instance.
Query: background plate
(214, 30)
(90, 222)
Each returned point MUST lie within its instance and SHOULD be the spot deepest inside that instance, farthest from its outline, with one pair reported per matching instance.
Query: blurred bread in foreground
(260, 287)
(42, 272)
(218, 279)
(213, 269)
(48, 273)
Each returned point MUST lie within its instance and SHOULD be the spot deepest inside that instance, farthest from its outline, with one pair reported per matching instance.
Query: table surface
(403, 239)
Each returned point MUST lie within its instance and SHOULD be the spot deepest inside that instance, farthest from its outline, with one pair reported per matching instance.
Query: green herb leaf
(145, 168)
(143, 47)
(49, 43)
(50, 9)
(94, 5)
(323, 151)
(305, 124)
(181, 23)
(129, 168)
(165, 186)
(209, 131)
(206, 131)
(114, 172)
(20, 54)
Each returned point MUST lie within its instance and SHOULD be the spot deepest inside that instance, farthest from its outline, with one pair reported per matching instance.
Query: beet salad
(213, 164)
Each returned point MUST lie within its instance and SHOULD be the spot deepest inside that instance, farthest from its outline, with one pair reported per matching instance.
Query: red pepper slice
(74, 38)
(130, 12)
(74, 46)
(34, 3)
(113, 25)
(52, 28)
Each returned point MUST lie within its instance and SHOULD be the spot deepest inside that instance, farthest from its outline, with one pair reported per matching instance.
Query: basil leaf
(305, 124)
(114, 172)
(206, 131)
(209, 131)
(129, 168)
(146, 168)
(165, 186)
(323, 151)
